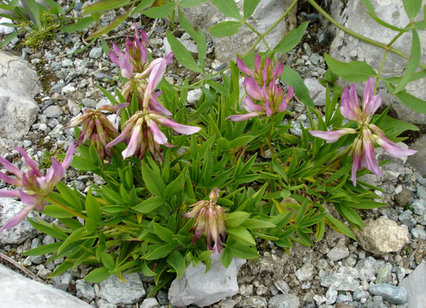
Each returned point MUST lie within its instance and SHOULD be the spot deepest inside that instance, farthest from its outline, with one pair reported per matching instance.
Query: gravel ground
(336, 272)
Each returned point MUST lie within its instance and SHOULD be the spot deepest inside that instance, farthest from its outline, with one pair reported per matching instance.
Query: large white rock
(9, 208)
(199, 288)
(415, 284)
(382, 236)
(207, 15)
(18, 86)
(347, 48)
(18, 291)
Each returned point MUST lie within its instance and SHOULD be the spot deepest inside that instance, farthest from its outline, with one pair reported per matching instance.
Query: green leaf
(93, 207)
(48, 229)
(226, 28)
(242, 140)
(412, 7)
(257, 224)
(236, 218)
(81, 24)
(149, 205)
(228, 8)
(182, 54)
(292, 78)
(160, 11)
(43, 250)
(191, 3)
(291, 39)
(9, 38)
(97, 275)
(177, 261)
(56, 211)
(351, 215)
(241, 234)
(355, 71)
(153, 181)
(158, 251)
(187, 26)
(227, 257)
(163, 233)
(415, 103)
(105, 29)
(108, 261)
(142, 6)
(77, 235)
(244, 252)
(104, 5)
(249, 7)
(34, 10)
(413, 62)
(340, 226)
(201, 47)
(175, 186)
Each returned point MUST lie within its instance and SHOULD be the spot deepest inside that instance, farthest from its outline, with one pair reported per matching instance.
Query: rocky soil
(337, 272)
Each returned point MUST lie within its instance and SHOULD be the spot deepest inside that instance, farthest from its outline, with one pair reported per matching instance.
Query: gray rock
(391, 294)
(57, 87)
(344, 298)
(267, 12)
(282, 286)
(73, 108)
(116, 292)
(8, 145)
(415, 284)
(421, 192)
(84, 289)
(407, 219)
(62, 282)
(200, 288)
(368, 268)
(419, 207)
(360, 294)
(18, 291)
(347, 48)
(330, 296)
(382, 236)
(384, 273)
(418, 232)
(228, 303)
(53, 111)
(66, 63)
(337, 253)
(150, 303)
(254, 302)
(189, 45)
(345, 280)
(284, 301)
(9, 208)
(305, 272)
(316, 91)
(194, 96)
(95, 52)
(3, 28)
(102, 76)
(104, 304)
(88, 102)
(18, 86)
(417, 160)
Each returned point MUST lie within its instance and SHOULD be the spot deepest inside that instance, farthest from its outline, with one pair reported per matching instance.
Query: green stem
(66, 208)
(269, 138)
(284, 15)
(359, 36)
(258, 34)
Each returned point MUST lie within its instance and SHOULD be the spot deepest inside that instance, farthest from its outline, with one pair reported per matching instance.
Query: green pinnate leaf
(182, 54)
(228, 8)
(249, 7)
(355, 71)
(226, 28)
(291, 39)
(412, 7)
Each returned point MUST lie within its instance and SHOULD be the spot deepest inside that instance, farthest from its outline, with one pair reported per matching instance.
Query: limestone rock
(202, 289)
(207, 15)
(9, 208)
(347, 48)
(415, 284)
(18, 291)
(116, 292)
(382, 236)
(18, 86)
(418, 160)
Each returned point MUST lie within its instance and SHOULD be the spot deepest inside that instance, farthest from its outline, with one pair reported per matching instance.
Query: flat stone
(284, 301)
(415, 284)
(117, 292)
(9, 208)
(150, 303)
(337, 253)
(18, 86)
(316, 91)
(84, 289)
(345, 280)
(254, 302)
(202, 289)
(382, 236)
(417, 160)
(96, 52)
(305, 272)
(53, 111)
(391, 294)
(18, 291)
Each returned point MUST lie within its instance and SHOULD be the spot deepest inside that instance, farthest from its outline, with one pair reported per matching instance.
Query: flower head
(97, 129)
(142, 133)
(32, 186)
(209, 220)
(368, 134)
(261, 86)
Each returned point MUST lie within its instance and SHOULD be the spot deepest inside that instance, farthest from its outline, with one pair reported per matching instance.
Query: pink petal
(124, 134)
(331, 136)
(257, 62)
(29, 162)
(28, 199)
(133, 143)
(349, 108)
(55, 172)
(18, 218)
(290, 94)
(157, 107)
(268, 108)
(355, 164)
(370, 103)
(9, 193)
(69, 156)
(278, 70)
(10, 167)
(244, 68)
(253, 88)
(250, 106)
(9, 180)
(369, 159)
(179, 128)
(393, 149)
(159, 136)
(242, 117)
